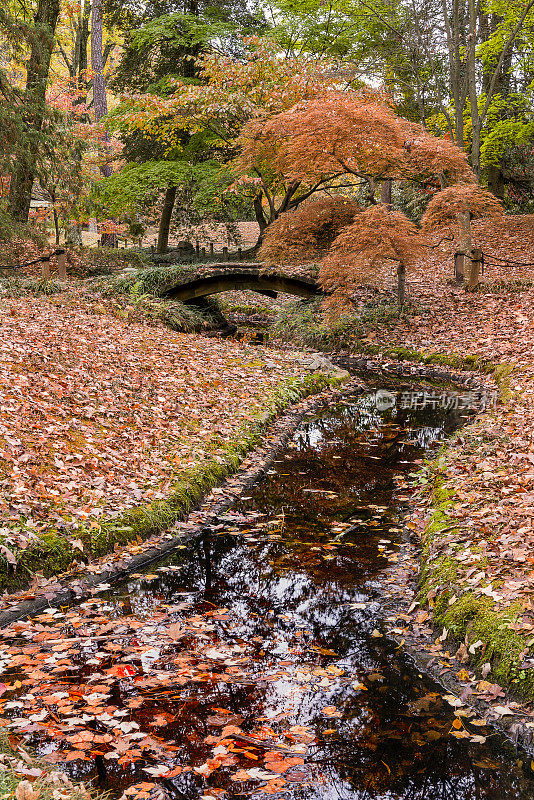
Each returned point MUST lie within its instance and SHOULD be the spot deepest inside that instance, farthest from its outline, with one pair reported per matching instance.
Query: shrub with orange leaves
(305, 235)
(471, 199)
(377, 238)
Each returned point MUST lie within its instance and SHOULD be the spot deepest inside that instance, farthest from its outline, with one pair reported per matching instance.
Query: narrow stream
(291, 583)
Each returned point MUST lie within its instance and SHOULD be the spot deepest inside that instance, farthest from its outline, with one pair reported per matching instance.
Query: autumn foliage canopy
(377, 238)
(306, 234)
(472, 199)
(354, 133)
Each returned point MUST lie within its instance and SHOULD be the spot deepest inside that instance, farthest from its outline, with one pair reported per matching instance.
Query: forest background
(130, 114)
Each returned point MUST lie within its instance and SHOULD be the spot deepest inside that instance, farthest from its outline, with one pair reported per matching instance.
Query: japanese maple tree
(349, 137)
(460, 204)
(307, 233)
(376, 239)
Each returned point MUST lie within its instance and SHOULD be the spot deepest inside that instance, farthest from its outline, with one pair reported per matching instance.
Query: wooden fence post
(225, 254)
(45, 270)
(211, 249)
(62, 265)
(240, 254)
(474, 273)
(197, 248)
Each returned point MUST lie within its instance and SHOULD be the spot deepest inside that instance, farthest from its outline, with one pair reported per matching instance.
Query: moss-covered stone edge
(501, 372)
(53, 553)
(467, 617)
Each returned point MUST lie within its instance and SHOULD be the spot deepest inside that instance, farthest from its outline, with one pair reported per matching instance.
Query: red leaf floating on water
(124, 671)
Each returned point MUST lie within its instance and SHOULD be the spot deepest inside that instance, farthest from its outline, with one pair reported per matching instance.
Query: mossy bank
(53, 552)
(467, 616)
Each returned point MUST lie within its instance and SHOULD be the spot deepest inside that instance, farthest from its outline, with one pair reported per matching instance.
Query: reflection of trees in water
(382, 749)
(378, 727)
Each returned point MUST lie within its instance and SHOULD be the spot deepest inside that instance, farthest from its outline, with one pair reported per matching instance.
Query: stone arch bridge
(218, 278)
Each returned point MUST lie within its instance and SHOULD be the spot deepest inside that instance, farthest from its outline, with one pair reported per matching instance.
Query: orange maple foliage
(460, 199)
(376, 238)
(306, 234)
(354, 133)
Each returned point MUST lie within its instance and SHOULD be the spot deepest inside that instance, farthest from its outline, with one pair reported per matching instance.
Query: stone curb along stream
(276, 437)
(199, 522)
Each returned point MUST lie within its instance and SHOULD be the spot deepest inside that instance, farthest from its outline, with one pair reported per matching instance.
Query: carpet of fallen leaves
(97, 415)
(489, 468)
(91, 686)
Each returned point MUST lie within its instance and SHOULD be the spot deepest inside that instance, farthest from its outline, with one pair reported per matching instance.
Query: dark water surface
(299, 565)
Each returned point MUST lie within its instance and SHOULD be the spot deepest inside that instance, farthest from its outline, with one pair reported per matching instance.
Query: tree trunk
(100, 101)
(23, 176)
(83, 39)
(73, 234)
(56, 226)
(385, 193)
(165, 221)
(401, 284)
(465, 245)
(496, 181)
(473, 88)
(97, 63)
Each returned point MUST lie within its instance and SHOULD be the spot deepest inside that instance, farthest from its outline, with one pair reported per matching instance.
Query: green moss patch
(469, 618)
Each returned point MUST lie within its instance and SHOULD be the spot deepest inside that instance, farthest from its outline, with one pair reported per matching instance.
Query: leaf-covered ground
(476, 513)
(98, 415)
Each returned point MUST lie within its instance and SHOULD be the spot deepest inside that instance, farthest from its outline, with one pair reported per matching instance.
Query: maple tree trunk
(165, 221)
(465, 245)
(465, 242)
(385, 193)
(23, 176)
(401, 284)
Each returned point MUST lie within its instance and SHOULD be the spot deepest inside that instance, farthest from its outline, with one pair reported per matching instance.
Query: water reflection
(299, 565)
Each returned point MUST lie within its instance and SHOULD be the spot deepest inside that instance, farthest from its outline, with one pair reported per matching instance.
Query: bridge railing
(188, 252)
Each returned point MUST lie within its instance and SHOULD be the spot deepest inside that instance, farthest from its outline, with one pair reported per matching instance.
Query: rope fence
(45, 260)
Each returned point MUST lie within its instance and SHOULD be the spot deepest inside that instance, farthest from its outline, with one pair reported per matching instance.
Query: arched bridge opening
(240, 279)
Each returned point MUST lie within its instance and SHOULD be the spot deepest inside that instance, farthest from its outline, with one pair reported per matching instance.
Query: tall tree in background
(458, 66)
(100, 101)
(163, 52)
(34, 106)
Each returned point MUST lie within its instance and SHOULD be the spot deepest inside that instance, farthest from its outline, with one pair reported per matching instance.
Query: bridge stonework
(208, 281)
